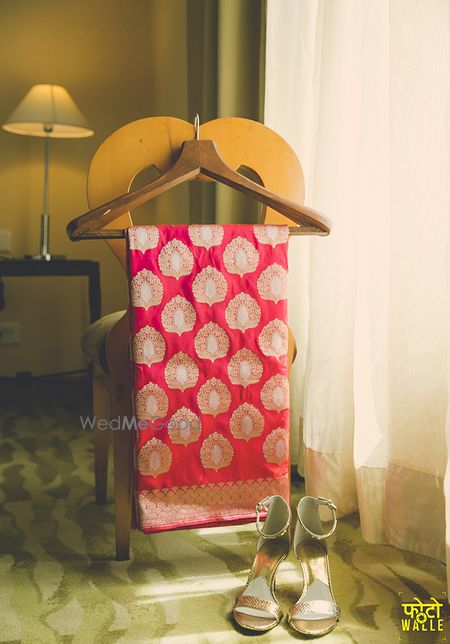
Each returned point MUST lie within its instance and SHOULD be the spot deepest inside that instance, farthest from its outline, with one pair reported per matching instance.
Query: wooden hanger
(198, 159)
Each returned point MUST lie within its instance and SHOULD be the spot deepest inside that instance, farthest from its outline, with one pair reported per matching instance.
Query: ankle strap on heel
(319, 500)
(266, 504)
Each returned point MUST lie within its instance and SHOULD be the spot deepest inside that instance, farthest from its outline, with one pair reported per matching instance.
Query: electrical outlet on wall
(9, 333)
(5, 242)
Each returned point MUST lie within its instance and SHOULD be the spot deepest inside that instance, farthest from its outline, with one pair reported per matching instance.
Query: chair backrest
(157, 140)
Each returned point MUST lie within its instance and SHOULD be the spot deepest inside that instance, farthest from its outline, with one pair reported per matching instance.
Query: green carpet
(60, 583)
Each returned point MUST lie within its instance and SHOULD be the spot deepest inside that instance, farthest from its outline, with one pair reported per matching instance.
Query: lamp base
(44, 258)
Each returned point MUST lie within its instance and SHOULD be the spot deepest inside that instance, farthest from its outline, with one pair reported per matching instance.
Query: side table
(59, 268)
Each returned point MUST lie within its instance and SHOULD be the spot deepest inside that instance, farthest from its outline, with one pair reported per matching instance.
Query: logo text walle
(422, 616)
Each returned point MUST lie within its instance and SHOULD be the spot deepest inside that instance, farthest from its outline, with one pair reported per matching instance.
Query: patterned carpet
(59, 582)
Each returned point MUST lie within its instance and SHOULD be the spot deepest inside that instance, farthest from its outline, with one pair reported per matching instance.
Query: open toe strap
(315, 609)
(256, 604)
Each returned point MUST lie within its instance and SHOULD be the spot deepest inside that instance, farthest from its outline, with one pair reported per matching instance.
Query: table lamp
(47, 111)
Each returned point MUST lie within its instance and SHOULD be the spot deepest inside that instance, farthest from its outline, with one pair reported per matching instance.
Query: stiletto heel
(257, 608)
(316, 612)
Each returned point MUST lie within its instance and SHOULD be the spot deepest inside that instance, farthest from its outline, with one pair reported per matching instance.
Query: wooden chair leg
(121, 398)
(102, 410)
(123, 491)
(134, 510)
(101, 448)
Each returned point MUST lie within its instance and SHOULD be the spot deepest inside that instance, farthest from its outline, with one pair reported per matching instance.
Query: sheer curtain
(360, 89)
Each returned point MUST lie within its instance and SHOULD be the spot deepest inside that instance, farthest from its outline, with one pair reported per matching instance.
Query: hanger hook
(197, 127)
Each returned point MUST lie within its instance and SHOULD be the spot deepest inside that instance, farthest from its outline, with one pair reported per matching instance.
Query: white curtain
(360, 89)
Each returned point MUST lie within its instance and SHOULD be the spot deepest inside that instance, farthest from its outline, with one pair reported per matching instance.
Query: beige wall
(121, 60)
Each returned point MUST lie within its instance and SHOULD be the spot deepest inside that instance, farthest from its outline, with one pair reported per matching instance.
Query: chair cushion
(93, 340)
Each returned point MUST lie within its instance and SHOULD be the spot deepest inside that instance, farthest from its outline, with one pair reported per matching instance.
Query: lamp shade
(48, 110)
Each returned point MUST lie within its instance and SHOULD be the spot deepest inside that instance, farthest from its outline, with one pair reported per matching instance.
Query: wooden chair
(156, 141)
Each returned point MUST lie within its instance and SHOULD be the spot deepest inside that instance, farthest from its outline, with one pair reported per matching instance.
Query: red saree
(209, 336)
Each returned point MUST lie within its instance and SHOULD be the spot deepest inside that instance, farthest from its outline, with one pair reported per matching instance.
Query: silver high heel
(316, 612)
(257, 608)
